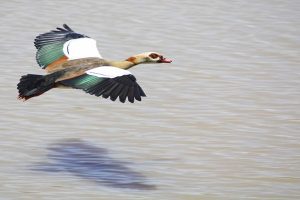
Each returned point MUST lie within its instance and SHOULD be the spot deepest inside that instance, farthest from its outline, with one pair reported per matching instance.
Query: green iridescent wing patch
(50, 45)
(47, 54)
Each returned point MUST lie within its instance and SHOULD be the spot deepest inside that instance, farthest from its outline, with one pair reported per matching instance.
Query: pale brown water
(221, 122)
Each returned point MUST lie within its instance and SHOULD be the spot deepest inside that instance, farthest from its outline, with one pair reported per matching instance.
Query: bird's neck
(128, 63)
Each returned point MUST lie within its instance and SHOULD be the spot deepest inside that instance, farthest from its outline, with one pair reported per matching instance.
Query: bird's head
(148, 57)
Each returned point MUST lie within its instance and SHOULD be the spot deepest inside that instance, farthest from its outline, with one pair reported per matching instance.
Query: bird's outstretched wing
(108, 82)
(58, 46)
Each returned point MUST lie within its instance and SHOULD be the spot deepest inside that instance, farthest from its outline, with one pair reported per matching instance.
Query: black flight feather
(124, 87)
(131, 94)
(123, 94)
(114, 94)
(59, 35)
(137, 95)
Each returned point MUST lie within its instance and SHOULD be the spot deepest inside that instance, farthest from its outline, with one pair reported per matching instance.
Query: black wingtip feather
(137, 95)
(114, 95)
(141, 91)
(131, 94)
(59, 35)
(108, 91)
(123, 94)
(67, 27)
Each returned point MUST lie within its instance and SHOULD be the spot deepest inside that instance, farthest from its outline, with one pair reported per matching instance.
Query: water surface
(221, 122)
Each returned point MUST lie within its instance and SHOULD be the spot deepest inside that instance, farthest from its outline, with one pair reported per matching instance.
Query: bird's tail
(32, 85)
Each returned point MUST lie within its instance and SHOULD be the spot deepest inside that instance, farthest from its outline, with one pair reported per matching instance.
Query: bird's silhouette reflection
(93, 163)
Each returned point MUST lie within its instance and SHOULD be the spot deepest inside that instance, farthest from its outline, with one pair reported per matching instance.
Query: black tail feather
(32, 85)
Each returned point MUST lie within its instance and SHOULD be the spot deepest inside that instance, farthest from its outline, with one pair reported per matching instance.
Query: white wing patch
(107, 72)
(81, 48)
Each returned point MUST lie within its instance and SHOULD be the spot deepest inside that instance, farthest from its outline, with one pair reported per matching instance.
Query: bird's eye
(153, 55)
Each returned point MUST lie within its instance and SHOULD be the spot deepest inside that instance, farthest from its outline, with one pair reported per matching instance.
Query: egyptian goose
(72, 60)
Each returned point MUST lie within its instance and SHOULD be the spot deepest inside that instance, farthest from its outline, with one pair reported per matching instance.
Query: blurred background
(221, 122)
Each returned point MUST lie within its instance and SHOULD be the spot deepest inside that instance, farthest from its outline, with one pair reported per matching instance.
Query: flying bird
(72, 60)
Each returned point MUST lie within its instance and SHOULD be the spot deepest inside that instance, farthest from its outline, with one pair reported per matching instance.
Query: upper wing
(58, 46)
(108, 82)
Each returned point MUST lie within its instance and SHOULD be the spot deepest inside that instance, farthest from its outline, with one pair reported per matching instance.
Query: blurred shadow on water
(92, 163)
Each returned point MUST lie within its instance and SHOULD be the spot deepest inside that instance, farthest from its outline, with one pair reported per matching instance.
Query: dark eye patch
(154, 55)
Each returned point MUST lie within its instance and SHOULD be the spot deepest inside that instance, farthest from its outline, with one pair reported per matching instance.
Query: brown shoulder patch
(56, 64)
